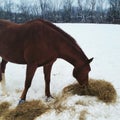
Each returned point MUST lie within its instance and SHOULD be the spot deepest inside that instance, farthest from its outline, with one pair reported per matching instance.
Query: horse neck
(73, 54)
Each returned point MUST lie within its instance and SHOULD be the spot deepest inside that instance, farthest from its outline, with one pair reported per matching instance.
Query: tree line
(83, 11)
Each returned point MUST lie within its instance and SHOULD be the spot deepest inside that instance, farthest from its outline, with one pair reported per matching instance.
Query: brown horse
(39, 43)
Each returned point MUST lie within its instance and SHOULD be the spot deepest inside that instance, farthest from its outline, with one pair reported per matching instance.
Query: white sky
(32, 1)
(58, 4)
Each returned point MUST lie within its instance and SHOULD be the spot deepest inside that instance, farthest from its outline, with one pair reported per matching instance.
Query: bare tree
(8, 9)
(34, 9)
(67, 10)
(44, 7)
(56, 11)
(114, 10)
(80, 4)
(101, 12)
(24, 10)
(92, 9)
(86, 11)
(80, 10)
(24, 7)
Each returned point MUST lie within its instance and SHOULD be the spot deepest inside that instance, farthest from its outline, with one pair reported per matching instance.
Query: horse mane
(71, 41)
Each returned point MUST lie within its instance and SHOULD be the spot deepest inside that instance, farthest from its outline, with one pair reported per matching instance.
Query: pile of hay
(26, 111)
(3, 108)
(100, 88)
(30, 110)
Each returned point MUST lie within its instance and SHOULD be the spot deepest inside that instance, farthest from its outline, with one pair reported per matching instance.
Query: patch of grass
(26, 111)
(100, 88)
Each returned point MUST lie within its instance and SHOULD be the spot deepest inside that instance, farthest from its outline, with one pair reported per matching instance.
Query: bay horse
(39, 43)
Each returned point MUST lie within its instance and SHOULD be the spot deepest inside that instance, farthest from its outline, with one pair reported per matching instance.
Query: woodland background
(65, 11)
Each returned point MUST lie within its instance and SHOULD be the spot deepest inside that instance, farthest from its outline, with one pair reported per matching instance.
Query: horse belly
(14, 59)
(14, 56)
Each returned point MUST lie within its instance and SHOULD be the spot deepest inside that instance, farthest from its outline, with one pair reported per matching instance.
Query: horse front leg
(2, 76)
(47, 71)
(31, 68)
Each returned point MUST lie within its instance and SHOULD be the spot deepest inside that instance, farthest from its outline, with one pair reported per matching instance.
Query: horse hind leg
(2, 74)
(47, 71)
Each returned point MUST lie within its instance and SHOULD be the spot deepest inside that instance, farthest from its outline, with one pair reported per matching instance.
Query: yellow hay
(26, 111)
(30, 110)
(3, 107)
(100, 88)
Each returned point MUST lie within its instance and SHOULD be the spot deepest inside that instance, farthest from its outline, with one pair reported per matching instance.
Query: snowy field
(97, 40)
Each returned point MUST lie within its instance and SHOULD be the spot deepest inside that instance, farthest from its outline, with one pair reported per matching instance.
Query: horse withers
(39, 43)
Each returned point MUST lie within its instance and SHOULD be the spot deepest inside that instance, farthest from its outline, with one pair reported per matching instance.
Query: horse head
(81, 73)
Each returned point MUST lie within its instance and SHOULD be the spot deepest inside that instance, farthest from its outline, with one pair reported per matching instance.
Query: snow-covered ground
(100, 41)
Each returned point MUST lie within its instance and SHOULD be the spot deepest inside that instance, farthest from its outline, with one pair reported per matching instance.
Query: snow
(100, 41)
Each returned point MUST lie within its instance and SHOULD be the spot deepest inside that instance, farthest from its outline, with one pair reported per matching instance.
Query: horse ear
(90, 60)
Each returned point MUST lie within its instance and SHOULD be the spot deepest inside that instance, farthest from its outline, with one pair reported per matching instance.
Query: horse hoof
(48, 99)
(21, 102)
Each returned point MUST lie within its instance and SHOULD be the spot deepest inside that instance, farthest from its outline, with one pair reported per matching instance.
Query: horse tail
(0, 69)
(2, 80)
